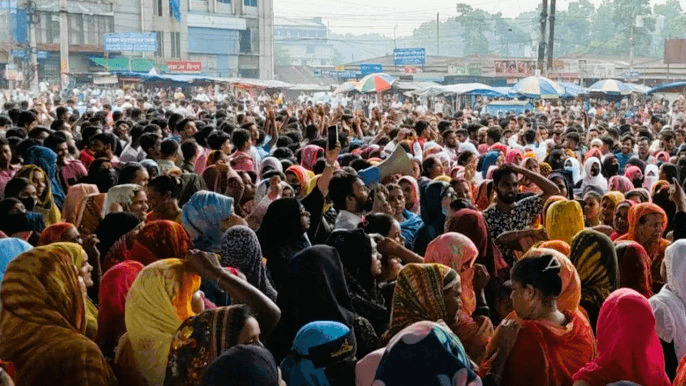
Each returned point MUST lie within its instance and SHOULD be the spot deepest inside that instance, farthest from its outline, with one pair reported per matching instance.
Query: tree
(573, 28)
(473, 23)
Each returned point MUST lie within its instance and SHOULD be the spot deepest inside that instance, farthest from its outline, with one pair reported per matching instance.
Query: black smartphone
(332, 137)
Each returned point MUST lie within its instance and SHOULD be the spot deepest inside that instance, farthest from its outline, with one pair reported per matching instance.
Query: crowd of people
(170, 240)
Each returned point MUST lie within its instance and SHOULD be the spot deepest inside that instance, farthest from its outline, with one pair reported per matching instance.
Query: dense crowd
(157, 238)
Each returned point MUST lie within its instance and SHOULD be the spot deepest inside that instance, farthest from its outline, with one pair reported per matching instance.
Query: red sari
(160, 240)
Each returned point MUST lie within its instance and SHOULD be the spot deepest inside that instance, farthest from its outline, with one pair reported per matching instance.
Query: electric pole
(551, 37)
(541, 43)
(438, 51)
(33, 19)
(64, 47)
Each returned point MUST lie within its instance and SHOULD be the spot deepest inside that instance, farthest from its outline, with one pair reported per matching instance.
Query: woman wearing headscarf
(114, 287)
(483, 195)
(552, 342)
(18, 222)
(620, 184)
(323, 354)
(158, 240)
(557, 245)
(572, 165)
(411, 192)
(309, 156)
(11, 247)
(487, 160)
(626, 351)
(514, 156)
(410, 222)
(243, 365)
(475, 329)
(240, 249)
(205, 217)
(45, 203)
(158, 302)
(116, 235)
(634, 267)
(595, 259)
(317, 290)
(592, 175)
(126, 198)
(660, 196)
(433, 215)
(361, 267)
(299, 179)
(608, 204)
(59, 232)
(563, 220)
(270, 164)
(669, 307)
(610, 165)
(282, 235)
(638, 195)
(75, 201)
(46, 160)
(563, 183)
(44, 333)
(651, 176)
(202, 338)
(634, 174)
(92, 213)
(526, 185)
(647, 223)
(621, 219)
(396, 364)
(570, 296)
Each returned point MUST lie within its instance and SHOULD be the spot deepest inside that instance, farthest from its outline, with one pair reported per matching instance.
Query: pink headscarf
(663, 154)
(415, 191)
(621, 184)
(512, 154)
(631, 171)
(309, 156)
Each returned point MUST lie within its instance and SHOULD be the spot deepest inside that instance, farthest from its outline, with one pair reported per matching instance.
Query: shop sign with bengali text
(183, 66)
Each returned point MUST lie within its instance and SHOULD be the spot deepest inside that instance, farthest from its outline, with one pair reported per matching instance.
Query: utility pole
(33, 19)
(438, 51)
(64, 47)
(541, 43)
(551, 37)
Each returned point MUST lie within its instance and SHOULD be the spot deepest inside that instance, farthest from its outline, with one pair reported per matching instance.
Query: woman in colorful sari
(92, 213)
(620, 184)
(158, 302)
(206, 217)
(10, 248)
(608, 205)
(160, 240)
(458, 252)
(410, 222)
(75, 202)
(126, 198)
(627, 351)
(563, 220)
(433, 215)
(114, 287)
(563, 183)
(396, 364)
(46, 160)
(117, 234)
(45, 203)
(59, 232)
(595, 258)
(299, 179)
(557, 245)
(647, 223)
(634, 267)
(669, 307)
(202, 338)
(240, 249)
(411, 193)
(621, 219)
(551, 344)
(44, 333)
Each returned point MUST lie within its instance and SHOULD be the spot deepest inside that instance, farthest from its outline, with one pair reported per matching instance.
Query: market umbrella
(538, 87)
(379, 82)
(610, 87)
(348, 86)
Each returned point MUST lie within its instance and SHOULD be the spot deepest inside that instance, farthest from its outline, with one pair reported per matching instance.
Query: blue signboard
(341, 74)
(24, 53)
(370, 68)
(409, 56)
(131, 41)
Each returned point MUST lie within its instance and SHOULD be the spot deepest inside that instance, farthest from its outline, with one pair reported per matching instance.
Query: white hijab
(669, 305)
(648, 180)
(120, 195)
(598, 180)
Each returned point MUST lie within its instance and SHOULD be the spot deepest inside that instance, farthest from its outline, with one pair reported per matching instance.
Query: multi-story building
(228, 38)
(302, 42)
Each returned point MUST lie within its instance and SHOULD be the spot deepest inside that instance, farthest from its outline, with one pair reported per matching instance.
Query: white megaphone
(398, 163)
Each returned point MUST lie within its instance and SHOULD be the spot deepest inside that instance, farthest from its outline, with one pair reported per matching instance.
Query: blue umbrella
(610, 87)
(538, 87)
(572, 89)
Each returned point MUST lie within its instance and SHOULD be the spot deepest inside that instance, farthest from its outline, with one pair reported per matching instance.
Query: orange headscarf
(557, 245)
(54, 233)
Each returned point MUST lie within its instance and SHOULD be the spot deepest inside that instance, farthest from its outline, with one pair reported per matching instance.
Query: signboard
(514, 67)
(599, 71)
(410, 70)
(105, 79)
(632, 76)
(471, 69)
(25, 53)
(370, 68)
(565, 68)
(675, 51)
(409, 56)
(183, 66)
(341, 74)
(317, 72)
(131, 41)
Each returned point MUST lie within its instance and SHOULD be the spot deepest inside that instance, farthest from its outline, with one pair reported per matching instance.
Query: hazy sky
(383, 16)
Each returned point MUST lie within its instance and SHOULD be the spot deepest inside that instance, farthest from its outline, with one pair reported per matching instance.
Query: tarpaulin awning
(122, 64)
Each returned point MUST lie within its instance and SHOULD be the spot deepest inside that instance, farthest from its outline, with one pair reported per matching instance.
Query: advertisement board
(131, 41)
(514, 67)
(370, 68)
(183, 66)
(409, 56)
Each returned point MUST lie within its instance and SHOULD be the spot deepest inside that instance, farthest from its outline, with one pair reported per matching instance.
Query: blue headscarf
(202, 217)
(9, 249)
(489, 159)
(316, 346)
(443, 358)
(46, 159)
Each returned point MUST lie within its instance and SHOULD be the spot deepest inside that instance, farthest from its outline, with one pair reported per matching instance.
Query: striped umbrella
(610, 87)
(538, 87)
(379, 82)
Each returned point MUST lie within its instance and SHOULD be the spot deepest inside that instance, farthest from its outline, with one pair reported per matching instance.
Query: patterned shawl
(161, 239)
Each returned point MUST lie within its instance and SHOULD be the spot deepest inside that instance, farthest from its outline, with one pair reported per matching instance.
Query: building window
(157, 7)
(245, 41)
(175, 44)
(250, 3)
(160, 44)
(224, 1)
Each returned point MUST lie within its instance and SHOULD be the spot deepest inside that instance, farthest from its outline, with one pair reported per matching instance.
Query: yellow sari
(46, 203)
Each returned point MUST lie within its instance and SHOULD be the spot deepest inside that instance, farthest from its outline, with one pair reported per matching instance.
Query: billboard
(675, 51)
(370, 68)
(183, 66)
(514, 67)
(471, 69)
(409, 56)
(131, 41)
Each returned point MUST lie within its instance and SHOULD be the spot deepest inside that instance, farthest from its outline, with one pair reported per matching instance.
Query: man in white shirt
(349, 196)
